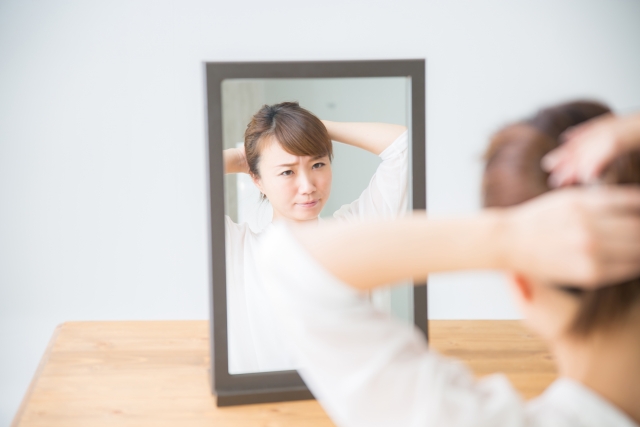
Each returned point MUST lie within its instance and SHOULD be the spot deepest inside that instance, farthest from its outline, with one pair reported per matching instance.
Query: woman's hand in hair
(590, 147)
(579, 236)
(235, 160)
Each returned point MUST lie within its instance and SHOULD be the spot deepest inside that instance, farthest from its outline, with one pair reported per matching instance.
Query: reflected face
(297, 186)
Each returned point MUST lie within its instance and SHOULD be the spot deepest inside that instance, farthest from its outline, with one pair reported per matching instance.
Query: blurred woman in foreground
(573, 254)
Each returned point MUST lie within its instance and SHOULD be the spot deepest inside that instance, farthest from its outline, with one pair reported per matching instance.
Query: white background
(102, 134)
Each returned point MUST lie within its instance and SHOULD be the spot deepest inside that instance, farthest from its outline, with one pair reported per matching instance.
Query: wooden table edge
(36, 375)
(448, 344)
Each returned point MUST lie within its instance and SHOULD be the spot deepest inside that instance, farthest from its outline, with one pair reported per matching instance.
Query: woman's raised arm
(373, 137)
(587, 237)
(235, 161)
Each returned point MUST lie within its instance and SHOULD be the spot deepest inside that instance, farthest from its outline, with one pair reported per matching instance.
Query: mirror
(365, 160)
(254, 342)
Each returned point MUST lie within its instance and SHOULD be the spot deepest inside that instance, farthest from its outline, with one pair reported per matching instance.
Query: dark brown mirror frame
(262, 387)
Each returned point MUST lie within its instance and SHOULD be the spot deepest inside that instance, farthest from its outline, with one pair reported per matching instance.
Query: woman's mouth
(310, 204)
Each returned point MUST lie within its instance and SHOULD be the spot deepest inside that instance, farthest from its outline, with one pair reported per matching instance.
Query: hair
(513, 175)
(297, 130)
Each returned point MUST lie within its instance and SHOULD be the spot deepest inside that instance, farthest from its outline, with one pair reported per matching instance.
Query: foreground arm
(373, 137)
(575, 236)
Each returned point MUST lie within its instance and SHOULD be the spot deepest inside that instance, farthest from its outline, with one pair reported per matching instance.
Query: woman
(288, 152)
(368, 370)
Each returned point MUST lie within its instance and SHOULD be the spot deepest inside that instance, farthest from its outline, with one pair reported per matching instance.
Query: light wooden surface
(155, 374)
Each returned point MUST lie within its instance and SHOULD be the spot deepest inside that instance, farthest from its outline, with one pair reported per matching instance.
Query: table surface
(155, 373)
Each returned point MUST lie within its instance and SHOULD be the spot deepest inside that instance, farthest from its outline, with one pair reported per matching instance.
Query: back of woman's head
(297, 130)
(513, 175)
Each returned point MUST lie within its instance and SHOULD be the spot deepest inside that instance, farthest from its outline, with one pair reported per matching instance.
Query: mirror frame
(262, 387)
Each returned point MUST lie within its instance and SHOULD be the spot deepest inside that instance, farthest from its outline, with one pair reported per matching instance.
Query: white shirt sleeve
(364, 367)
(386, 195)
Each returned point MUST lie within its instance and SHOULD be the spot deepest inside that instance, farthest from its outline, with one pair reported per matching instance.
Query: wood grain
(497, 346)
(155, 373)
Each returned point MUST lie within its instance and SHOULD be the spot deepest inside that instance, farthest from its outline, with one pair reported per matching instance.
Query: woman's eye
(287, 173)
(318, 165)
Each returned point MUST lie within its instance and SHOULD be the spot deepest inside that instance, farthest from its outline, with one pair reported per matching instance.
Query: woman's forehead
(275, 155)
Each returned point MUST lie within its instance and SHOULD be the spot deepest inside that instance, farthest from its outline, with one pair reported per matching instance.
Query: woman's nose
(306, 184)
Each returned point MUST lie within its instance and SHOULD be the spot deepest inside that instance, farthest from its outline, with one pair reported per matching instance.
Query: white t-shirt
(254, 341)
(368, 369)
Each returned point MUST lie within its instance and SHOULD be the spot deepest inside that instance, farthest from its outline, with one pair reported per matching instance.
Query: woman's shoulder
(397, 147)
(242, 229)
(569, 402)
(236, 231)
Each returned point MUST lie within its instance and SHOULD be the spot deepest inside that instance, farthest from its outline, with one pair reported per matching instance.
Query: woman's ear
(257, 182)
(523, 287)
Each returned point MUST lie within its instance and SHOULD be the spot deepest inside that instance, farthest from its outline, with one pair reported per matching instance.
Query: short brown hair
(513, 175)
(297, 130)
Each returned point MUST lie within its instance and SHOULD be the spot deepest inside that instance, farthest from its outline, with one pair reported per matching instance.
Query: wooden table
(154, 373)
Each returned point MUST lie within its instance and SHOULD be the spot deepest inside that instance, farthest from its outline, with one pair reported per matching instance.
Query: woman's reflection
(287, 152)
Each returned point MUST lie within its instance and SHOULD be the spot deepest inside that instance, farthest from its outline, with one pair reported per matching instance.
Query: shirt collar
(584, 404)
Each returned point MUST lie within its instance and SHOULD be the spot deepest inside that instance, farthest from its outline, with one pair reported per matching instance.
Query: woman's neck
(279, 217)
(607, 362)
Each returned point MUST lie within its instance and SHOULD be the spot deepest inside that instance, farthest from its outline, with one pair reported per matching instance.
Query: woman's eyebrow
(286, 165)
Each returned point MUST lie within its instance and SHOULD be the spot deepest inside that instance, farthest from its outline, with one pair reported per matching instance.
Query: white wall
(102, 169)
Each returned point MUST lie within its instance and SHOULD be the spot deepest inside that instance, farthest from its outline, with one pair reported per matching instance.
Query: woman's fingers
(590, 147)
(575, 235)
(611, 224)
(553, 159)
(564, 174)
(586, 151)
(584, 128)
(622, 242)
(610, 199)
(618, 272)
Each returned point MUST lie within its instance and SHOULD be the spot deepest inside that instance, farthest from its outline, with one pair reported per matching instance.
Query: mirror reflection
(302, 150)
